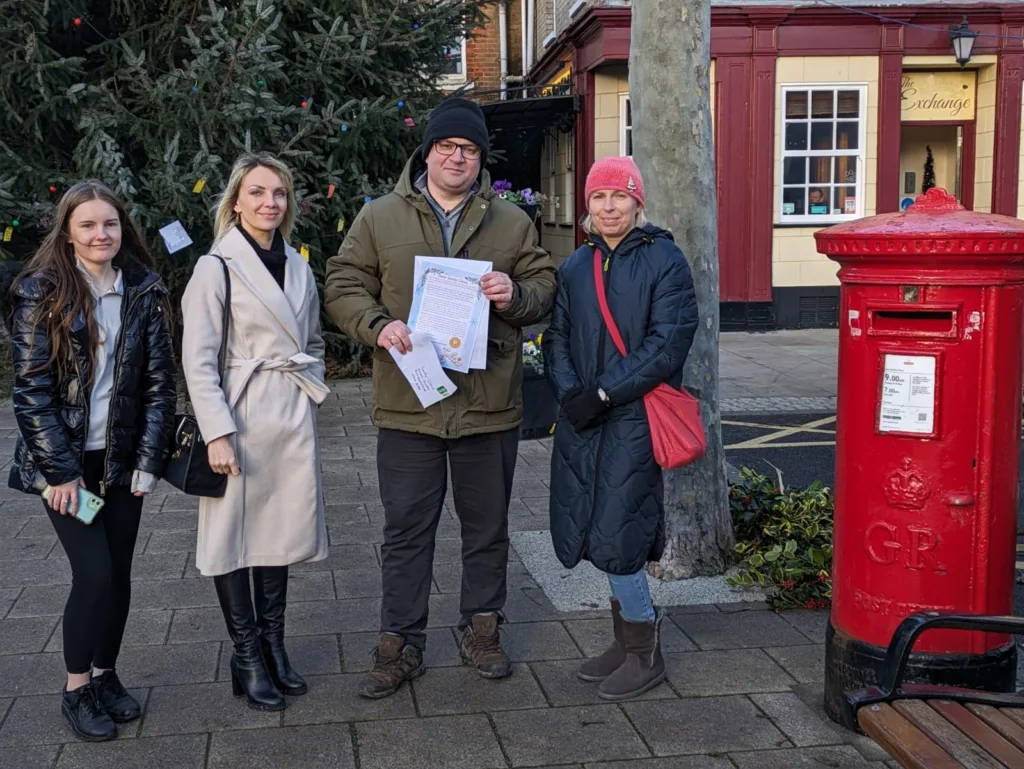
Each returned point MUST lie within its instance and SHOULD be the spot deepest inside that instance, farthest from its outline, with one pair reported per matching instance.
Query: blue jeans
(634, 596)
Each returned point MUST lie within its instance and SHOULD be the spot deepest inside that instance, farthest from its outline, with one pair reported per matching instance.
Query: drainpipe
(531, 21)
(503, 43)
(522, 40)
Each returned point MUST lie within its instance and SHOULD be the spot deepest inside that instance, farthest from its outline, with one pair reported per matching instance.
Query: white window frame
(568, 196)
(815, 220)
(458, 80)
(552, 150)
(625, 127)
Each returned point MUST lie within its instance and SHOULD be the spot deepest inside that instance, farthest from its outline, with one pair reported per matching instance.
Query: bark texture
(669, 66)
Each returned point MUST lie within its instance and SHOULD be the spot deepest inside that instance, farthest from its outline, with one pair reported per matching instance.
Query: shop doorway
(952, 159)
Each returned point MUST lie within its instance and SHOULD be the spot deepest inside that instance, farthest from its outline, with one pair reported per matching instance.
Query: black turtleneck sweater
(273, 259)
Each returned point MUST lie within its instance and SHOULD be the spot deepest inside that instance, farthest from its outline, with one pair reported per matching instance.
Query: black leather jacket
(53, 414)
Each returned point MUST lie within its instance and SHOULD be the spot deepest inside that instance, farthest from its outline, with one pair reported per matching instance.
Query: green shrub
(784, 540)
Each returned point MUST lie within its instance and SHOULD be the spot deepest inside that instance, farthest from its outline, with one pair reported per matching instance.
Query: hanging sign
(938, 95)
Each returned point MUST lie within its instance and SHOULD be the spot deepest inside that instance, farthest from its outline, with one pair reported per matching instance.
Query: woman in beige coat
(258, 418)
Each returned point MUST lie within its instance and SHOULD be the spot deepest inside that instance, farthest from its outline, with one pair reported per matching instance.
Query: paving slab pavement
(743, 688)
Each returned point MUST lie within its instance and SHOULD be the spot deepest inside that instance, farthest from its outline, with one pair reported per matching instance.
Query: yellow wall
(608, 87)
(986, 141)
(795, 261)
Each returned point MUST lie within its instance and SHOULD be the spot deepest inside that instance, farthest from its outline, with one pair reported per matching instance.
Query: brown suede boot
(394, 662)
(599, 668)
(481, 647)
(644, 667)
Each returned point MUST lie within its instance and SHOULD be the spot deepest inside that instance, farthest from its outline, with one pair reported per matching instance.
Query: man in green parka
(443, 205)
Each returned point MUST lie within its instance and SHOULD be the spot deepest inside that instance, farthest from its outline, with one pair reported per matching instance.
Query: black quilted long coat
(606, 489)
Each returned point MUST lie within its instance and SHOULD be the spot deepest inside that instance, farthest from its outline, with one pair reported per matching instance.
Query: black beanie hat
(456, 118)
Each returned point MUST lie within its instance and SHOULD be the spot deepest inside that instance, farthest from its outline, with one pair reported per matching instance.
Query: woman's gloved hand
(584, 408)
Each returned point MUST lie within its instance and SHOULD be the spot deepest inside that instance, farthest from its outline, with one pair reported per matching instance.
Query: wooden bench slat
(902, 740)
(979, 732)
(999, 721)
(946, 735)
(1014, 715)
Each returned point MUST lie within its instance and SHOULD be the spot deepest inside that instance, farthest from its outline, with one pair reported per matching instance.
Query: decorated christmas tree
(159, 98)
(928, 180)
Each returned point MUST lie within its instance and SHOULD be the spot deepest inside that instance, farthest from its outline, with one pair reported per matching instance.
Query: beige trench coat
(273, 513)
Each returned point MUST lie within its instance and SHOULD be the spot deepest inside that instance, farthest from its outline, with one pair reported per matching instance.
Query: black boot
(248, 672)
(86, 716)
(270, 586)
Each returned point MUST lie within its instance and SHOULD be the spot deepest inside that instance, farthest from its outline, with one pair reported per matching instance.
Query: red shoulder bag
(677, 431)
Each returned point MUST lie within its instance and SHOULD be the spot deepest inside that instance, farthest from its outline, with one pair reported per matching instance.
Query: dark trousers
(413, 472)
(101, 573)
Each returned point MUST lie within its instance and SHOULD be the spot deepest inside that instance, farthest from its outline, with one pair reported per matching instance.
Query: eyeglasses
(469, 151)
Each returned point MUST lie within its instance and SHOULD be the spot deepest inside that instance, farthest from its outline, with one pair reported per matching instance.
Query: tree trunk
(669, 91)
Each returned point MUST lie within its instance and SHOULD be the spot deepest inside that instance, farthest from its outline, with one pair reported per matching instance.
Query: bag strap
(222, 356)
(602, 300)
(225, 319)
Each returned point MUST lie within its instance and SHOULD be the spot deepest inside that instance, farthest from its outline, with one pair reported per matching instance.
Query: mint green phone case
(88, 504)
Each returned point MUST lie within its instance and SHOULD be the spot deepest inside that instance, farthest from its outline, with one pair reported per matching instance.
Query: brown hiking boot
(394, 661)
(599, 668)
(644, 667)
(481, 647)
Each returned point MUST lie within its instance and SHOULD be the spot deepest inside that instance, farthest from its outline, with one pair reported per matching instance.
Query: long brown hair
(70, 296)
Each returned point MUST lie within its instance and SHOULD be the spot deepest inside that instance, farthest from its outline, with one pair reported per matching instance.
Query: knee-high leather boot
(249, 675)
(270, 584)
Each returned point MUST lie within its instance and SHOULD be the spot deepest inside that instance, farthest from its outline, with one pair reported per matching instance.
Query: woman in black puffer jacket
(94, 396)
(606, 489)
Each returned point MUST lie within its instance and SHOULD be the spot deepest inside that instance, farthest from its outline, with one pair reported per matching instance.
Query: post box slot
(941, 323)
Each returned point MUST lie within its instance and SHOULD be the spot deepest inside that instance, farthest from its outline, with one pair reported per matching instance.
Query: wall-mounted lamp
(961, 38)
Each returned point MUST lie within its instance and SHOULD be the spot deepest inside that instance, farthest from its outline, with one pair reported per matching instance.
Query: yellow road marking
(766, 441)
(775, 427)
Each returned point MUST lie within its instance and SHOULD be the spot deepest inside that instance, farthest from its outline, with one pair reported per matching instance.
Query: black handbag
(188, 469)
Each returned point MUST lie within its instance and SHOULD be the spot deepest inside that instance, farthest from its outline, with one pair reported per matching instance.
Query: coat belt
(295, 368)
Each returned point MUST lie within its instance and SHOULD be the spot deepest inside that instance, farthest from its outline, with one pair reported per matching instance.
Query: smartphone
(88, 504)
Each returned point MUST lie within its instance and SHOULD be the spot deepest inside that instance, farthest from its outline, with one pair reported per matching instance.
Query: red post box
(927, 439)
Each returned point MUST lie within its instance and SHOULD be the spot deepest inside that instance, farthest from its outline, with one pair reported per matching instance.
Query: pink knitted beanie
(616, 173)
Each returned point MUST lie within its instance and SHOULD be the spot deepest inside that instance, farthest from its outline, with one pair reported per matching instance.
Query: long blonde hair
(225, 217)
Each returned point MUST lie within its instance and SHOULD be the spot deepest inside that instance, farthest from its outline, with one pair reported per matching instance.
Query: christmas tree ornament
(401, 104)
(410, 122)
(344, 128)
(367, 199)
(341, 224)
(53, 188)
(15, 222)
(8, 233)
(415, 25)
(305, 252)
(330, 191)
(199, 186)
(260, 82)
(78, 21)
(195, 88)
(175, 237)
(304, 104)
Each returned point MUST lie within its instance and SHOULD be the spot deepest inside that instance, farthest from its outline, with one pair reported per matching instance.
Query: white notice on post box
(908, 395)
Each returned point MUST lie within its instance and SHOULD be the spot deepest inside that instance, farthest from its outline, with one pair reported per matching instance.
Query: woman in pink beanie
(606, 489)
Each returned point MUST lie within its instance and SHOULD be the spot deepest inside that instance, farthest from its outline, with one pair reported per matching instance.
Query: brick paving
(743, 690)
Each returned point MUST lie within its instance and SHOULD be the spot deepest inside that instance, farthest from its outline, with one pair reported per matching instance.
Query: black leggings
(101, 573)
